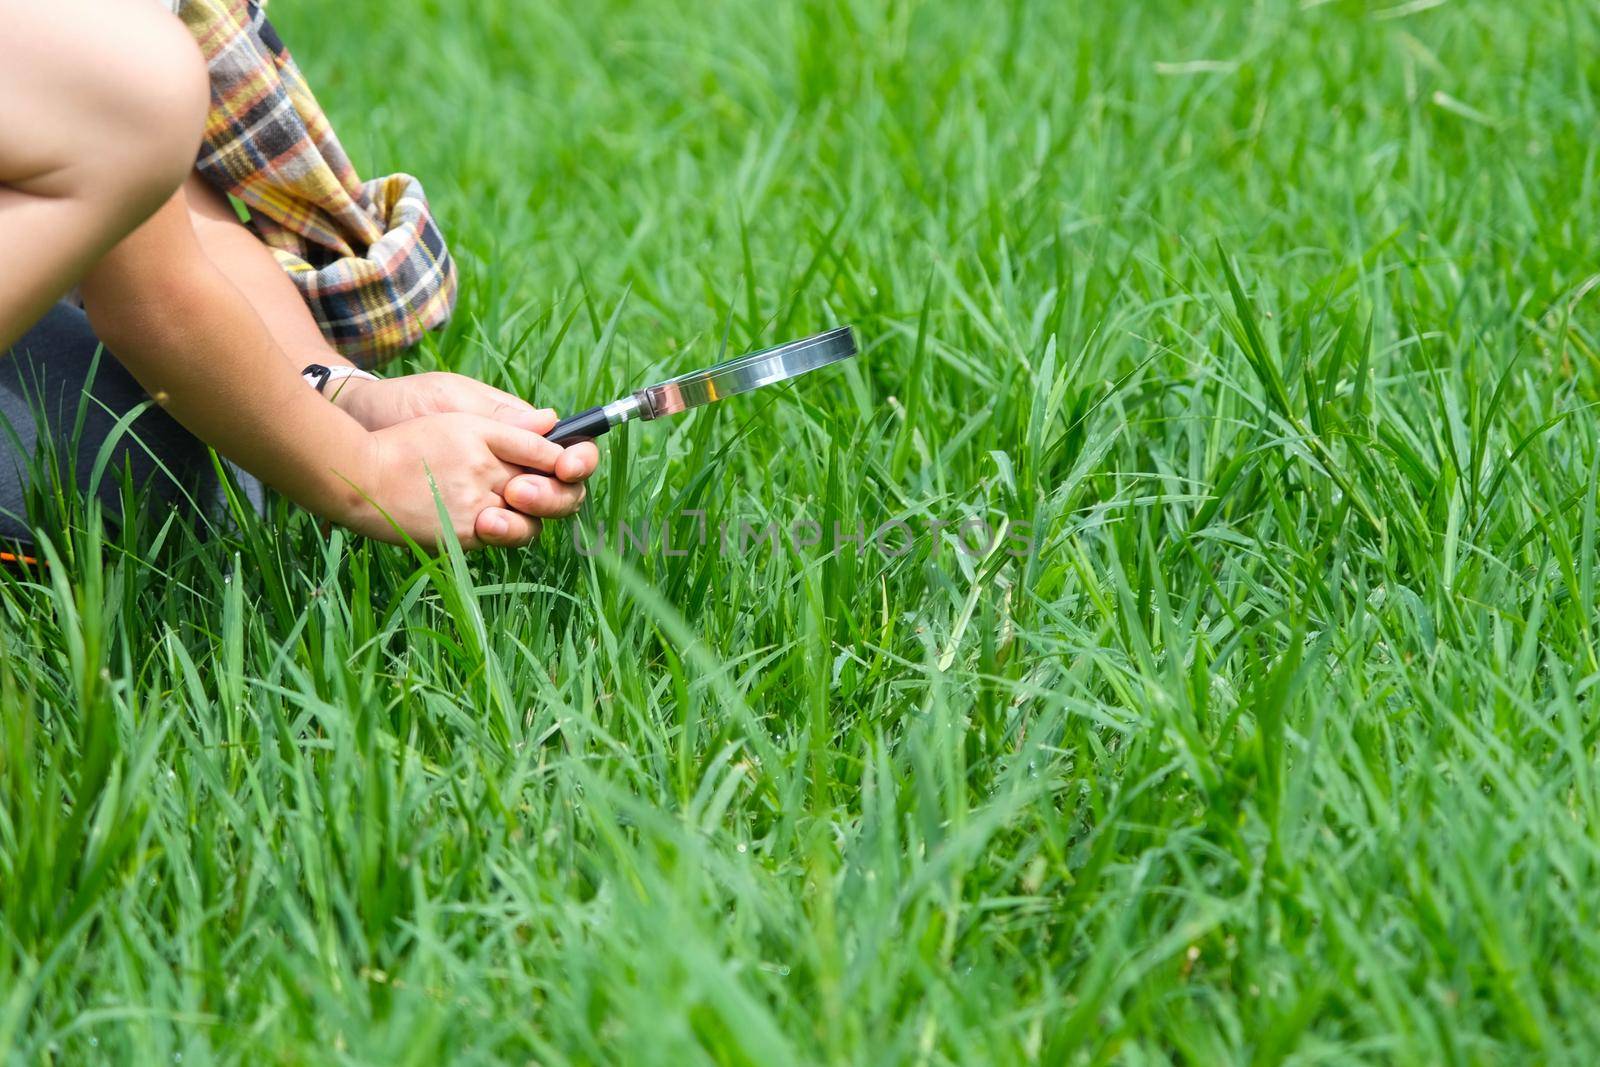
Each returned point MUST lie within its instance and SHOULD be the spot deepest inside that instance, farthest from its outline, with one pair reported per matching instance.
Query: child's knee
(106, 109)
(159, 102)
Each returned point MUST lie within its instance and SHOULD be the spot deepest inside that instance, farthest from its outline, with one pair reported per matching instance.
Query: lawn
(1263, 339)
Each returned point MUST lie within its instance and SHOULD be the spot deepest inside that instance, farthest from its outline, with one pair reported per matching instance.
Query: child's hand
(390, 401)
(471, 459)
(554, 491)
(547, 494)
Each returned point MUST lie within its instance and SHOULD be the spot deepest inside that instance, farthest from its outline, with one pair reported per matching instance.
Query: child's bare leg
(101, 108)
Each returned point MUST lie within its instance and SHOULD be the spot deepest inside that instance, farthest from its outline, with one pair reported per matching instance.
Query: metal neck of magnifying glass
(627, 409)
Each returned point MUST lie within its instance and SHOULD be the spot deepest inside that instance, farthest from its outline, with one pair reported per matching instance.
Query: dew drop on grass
(94, 1042)
(783, 971)
(742, 846)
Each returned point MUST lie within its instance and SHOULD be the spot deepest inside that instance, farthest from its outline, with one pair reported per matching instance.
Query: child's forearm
(239, 255)
(195, 343)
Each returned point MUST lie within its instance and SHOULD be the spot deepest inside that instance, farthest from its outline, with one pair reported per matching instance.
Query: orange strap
(13, 558)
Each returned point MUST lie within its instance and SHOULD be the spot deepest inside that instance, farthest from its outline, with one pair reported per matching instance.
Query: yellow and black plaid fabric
(367, 256)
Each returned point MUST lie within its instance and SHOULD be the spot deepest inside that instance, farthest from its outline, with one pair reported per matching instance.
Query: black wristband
(317, 376)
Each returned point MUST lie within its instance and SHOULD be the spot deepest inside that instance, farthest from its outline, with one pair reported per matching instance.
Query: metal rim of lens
(790, 347)
(734, 376)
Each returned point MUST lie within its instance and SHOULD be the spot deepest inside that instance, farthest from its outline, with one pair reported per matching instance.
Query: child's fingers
(520, 447)
(537, 494)
(479, 399)
(456, 392)
(504, 528)
(500, 396)
(577, 462)
(508, 407)
(538, 420)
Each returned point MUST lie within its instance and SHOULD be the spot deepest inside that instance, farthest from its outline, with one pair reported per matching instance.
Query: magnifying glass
(698, 388)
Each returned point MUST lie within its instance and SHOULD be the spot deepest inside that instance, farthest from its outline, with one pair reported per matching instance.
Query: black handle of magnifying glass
(584, 426)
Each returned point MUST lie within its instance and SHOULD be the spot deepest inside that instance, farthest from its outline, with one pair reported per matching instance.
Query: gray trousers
(59, 406)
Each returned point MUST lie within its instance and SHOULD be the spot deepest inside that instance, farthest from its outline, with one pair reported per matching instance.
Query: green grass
(1279, 323)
